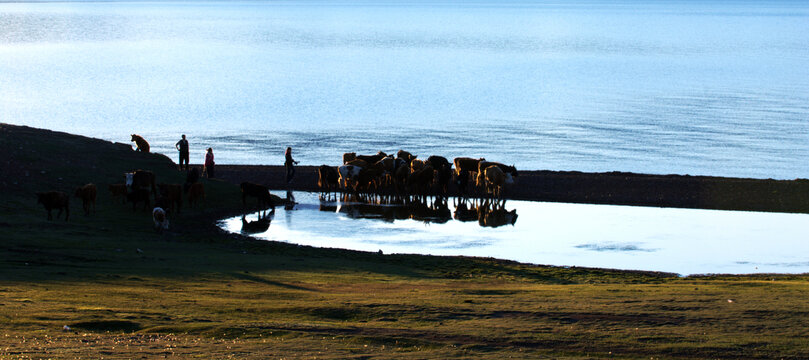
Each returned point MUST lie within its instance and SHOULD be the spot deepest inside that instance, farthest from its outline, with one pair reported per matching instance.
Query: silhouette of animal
(327, 178)
(139, 195)
(416, 165)
(372, 159)
(419, 181)
(55, 200)
(358, 162)
(443, 171)
(118, 190)
(508, 169)
(140, 179)
(406, 156)
(260, 192)
(469, 165)
(494, 179)
(348, 175)
(142, 144)
(348, 157)
(195, 193)
(87, 194)
(174, 193)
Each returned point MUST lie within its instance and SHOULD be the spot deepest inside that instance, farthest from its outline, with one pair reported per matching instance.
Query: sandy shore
(683, 191)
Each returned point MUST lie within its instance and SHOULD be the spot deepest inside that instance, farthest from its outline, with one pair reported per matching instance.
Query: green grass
(125, 291)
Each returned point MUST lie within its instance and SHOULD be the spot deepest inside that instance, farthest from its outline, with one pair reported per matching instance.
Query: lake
(685, 87)
(682, 241)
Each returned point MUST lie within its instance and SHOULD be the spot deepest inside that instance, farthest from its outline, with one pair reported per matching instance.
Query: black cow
(260, 192)
(55, 200)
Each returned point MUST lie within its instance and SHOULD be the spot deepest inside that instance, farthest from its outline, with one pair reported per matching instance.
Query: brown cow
(87, 194)
(406, 156)
(469, 165)
(508, 169)
(371, 159)
(358, 163)
(443, 172)
(195, 192)
(141, 143)
(419, 181)
(174, 193)
(348, 157)
(55, 200)
(118, 190)
(416, 165)
(494, 179)
(327, 178)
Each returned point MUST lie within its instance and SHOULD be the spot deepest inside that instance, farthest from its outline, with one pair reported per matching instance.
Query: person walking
(182, 146)
(288, 163)
(209, 164)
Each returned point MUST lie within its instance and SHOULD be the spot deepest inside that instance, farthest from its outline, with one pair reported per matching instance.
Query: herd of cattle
(139, 187)
(405, 174)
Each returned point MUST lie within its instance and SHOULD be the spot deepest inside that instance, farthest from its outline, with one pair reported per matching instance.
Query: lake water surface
(683, 241)
(687, 87)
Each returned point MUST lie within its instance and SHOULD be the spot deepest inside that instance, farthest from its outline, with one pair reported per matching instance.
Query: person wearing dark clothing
(288, 163)
(182, 146)
(209, 164)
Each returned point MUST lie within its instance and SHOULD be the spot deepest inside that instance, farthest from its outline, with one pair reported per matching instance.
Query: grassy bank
(124, 291)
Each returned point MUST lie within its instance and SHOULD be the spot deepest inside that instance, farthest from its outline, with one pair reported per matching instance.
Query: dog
(161, 221)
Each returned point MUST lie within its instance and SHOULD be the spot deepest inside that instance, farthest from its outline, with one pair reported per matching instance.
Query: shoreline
(610, 188)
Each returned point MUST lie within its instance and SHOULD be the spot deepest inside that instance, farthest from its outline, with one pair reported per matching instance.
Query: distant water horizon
(662, 87)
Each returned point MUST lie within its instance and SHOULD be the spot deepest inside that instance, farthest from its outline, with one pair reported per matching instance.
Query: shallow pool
(683, 241)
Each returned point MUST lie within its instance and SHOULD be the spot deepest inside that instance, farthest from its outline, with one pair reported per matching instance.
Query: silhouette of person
(209, 164)
(182, 146)
(289, 164)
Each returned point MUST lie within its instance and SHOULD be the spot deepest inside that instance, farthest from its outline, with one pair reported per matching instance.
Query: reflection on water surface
(684, 241)
(431, 210)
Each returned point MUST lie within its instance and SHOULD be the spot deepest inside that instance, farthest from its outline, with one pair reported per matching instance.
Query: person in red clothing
(209, 164)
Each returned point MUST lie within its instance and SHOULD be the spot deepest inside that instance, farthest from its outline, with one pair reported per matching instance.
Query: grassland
(108, 286)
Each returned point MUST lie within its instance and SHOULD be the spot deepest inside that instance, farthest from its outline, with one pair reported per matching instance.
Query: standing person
(209, 164)
(182, 146)
(289, 162)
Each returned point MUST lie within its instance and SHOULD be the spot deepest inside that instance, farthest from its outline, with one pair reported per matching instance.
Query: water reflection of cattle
(497, 217)
(391, 209)
(465, 213)
(260, 225)
(486, 213)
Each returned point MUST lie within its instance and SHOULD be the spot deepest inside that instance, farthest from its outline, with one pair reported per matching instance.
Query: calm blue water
(683, 241)
(687, 87)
